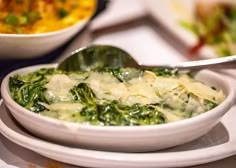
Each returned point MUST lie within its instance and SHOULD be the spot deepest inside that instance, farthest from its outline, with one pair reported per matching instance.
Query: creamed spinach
(114, 96)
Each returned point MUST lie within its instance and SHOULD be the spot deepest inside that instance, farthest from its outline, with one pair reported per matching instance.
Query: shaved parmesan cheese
(149, 76)
(164, 85)
(141, 92)
(63, 111)
(58, 88)
(65, 106)
(171, 117)
(201, 90)
(106, 86)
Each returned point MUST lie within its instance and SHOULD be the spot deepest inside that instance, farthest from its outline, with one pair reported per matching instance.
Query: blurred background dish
(206, 28)
(31, 29)
(34, 17)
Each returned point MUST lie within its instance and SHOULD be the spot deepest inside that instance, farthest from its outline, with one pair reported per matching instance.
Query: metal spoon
(96, 56)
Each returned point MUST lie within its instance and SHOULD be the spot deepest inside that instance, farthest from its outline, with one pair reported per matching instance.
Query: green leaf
(18, 30)
(188, 26)
(23, 20)
(32, 16)
(165, 72)
(28, 90)
(62, 13)
(209, 104)
(11, 19)
(122, 74)
(83, 94)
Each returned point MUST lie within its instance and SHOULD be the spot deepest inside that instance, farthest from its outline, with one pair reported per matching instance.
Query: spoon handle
(214, 63)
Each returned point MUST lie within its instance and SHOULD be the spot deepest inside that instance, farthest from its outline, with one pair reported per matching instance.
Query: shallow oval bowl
(121, 138)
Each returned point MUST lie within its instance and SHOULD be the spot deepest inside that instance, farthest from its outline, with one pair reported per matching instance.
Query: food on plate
(114, 96)
(40, 16)
(215, 25)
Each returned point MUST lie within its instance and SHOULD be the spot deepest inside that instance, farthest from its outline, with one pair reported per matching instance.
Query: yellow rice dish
(40, 16)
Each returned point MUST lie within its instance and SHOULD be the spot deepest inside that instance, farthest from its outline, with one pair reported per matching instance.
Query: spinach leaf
(11, 19)
(165, 72)
(122, 74)
(28, 90)
(62, 13)
(209, 104)
(112, 112)
(83, 94)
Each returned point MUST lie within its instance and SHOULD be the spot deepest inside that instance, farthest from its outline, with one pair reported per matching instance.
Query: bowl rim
(52, 33)
(218, 111)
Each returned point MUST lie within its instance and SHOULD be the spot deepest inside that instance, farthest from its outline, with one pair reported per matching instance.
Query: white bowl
(121, 138)
(23, 46)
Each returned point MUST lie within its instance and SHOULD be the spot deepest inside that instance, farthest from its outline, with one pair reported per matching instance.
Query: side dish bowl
(121, 138)
(23, 46)
(37, 44)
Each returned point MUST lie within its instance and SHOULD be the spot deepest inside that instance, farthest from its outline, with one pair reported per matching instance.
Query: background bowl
(34, 45)
(121, 138)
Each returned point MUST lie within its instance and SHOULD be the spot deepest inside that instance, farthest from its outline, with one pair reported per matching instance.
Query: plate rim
(94, 158)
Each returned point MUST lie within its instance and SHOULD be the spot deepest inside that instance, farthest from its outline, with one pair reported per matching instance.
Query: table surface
(152, 39)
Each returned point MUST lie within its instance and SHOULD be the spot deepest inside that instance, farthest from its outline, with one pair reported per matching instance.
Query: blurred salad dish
(215, 25)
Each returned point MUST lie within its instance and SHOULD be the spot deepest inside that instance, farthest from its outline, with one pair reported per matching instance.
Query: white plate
(169, 13)
(217, 144)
